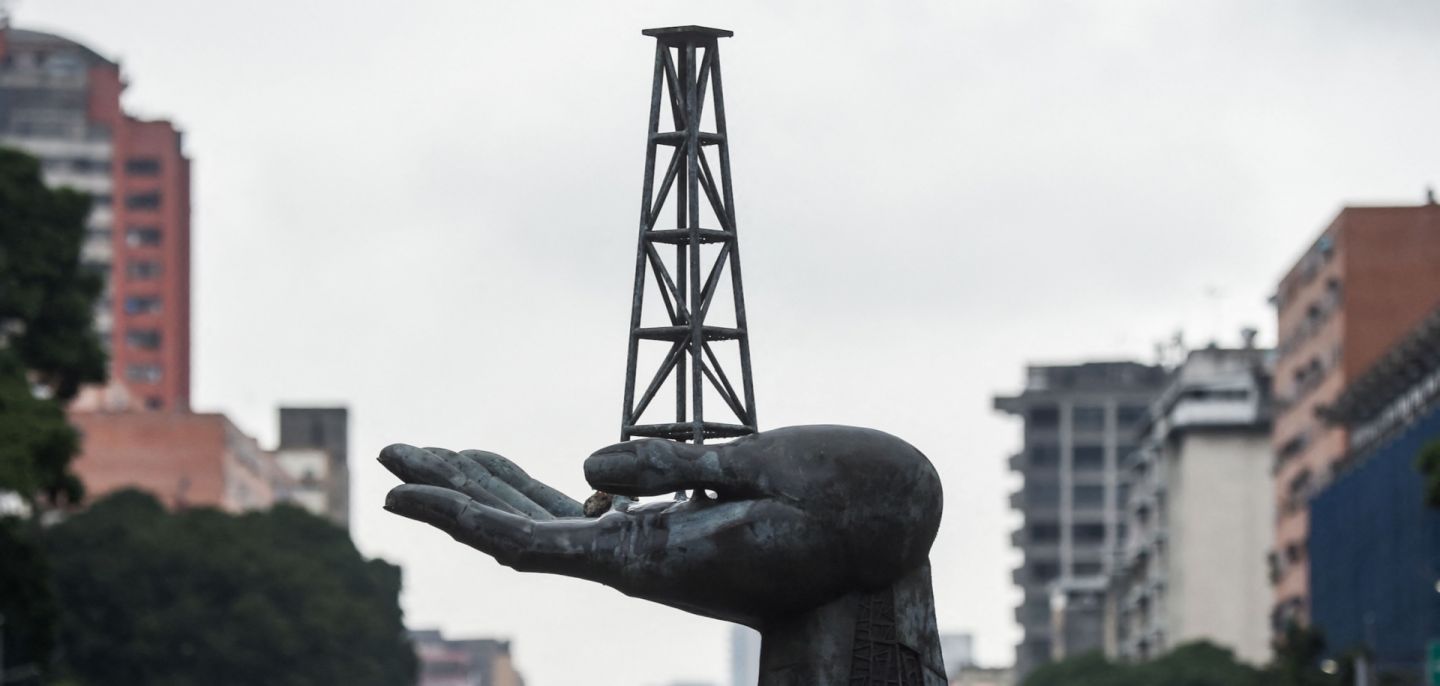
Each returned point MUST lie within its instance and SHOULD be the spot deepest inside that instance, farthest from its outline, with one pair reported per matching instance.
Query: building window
(142, 270)
(1298, 493)
(1039, 651)
(148, 200)
(1043, 417)
(1088, 533)
(143, 339)
(1035, 611)
(1088, 496)
(142, 166)
(63, 65)
(1044, 455)
(1125, 450)
(1044, 533)
(1042, 494)
(142, 236)
(1086, 569)
(1088, 417)
(99, 199)
(1089, 457)
(1308, 376)
(80, 164)
(143, 373)
(1290, 448)
(1044, 572)
(1129, 415)
(142, 304)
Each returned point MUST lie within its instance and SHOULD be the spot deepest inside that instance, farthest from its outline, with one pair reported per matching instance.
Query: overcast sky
(426, 210)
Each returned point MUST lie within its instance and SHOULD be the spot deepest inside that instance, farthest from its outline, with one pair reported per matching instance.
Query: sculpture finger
(558, 547)
(478, 474)
(655, 466)
(431, 467)
(555, 502)
(502, 535)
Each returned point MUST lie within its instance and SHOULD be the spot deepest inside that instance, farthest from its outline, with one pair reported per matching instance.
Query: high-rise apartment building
(60, 101)
(326, 486)
(1078, 421)
(1199, 513)
(1371, 276)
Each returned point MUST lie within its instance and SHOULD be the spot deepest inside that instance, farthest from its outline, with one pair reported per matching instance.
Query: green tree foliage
(26, 599)
(1090, 669)
(1429, 465)
(1192, 664)
(48, 344)
(1297, 658)
(202, 597)
(1200, 664)
(48, 348)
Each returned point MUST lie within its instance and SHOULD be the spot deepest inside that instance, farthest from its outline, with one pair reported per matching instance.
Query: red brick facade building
(184, 459)
(1371, 276)
(60, 101)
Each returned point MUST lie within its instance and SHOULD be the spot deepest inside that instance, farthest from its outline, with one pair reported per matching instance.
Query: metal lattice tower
(687, 63)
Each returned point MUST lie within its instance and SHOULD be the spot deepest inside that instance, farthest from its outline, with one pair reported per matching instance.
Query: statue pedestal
(880, 638)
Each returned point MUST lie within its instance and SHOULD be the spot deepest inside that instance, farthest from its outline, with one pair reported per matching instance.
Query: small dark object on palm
(598, 504)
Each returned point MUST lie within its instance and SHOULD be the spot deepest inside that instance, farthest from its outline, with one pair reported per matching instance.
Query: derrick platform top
(681, 34)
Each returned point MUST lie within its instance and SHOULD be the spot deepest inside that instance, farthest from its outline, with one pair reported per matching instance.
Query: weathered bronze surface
(817, 536)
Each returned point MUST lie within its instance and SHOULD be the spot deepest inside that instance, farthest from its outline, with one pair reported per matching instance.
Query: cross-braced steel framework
(687, 64)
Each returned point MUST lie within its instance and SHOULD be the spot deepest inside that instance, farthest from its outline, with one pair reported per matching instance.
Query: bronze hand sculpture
(816, 536)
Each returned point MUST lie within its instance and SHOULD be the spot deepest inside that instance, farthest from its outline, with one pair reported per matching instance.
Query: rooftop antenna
(1247, 337)
(7, 10)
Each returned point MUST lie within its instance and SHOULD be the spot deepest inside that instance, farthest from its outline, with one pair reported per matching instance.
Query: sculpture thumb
(656, 466)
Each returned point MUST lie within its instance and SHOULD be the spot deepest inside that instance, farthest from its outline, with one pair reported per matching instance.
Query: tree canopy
(48, 348)
(1429, 465)
(48, 344)
(1192, 664)
(279, 597)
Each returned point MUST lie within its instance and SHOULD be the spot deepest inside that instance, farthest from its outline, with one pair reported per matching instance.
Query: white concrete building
(314, 450)
(309, 470)
(1199, 513)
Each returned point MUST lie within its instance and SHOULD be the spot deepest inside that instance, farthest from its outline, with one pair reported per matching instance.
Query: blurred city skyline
(427, 213)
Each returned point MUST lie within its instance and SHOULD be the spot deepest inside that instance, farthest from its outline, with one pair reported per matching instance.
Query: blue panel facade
(1375, 555)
